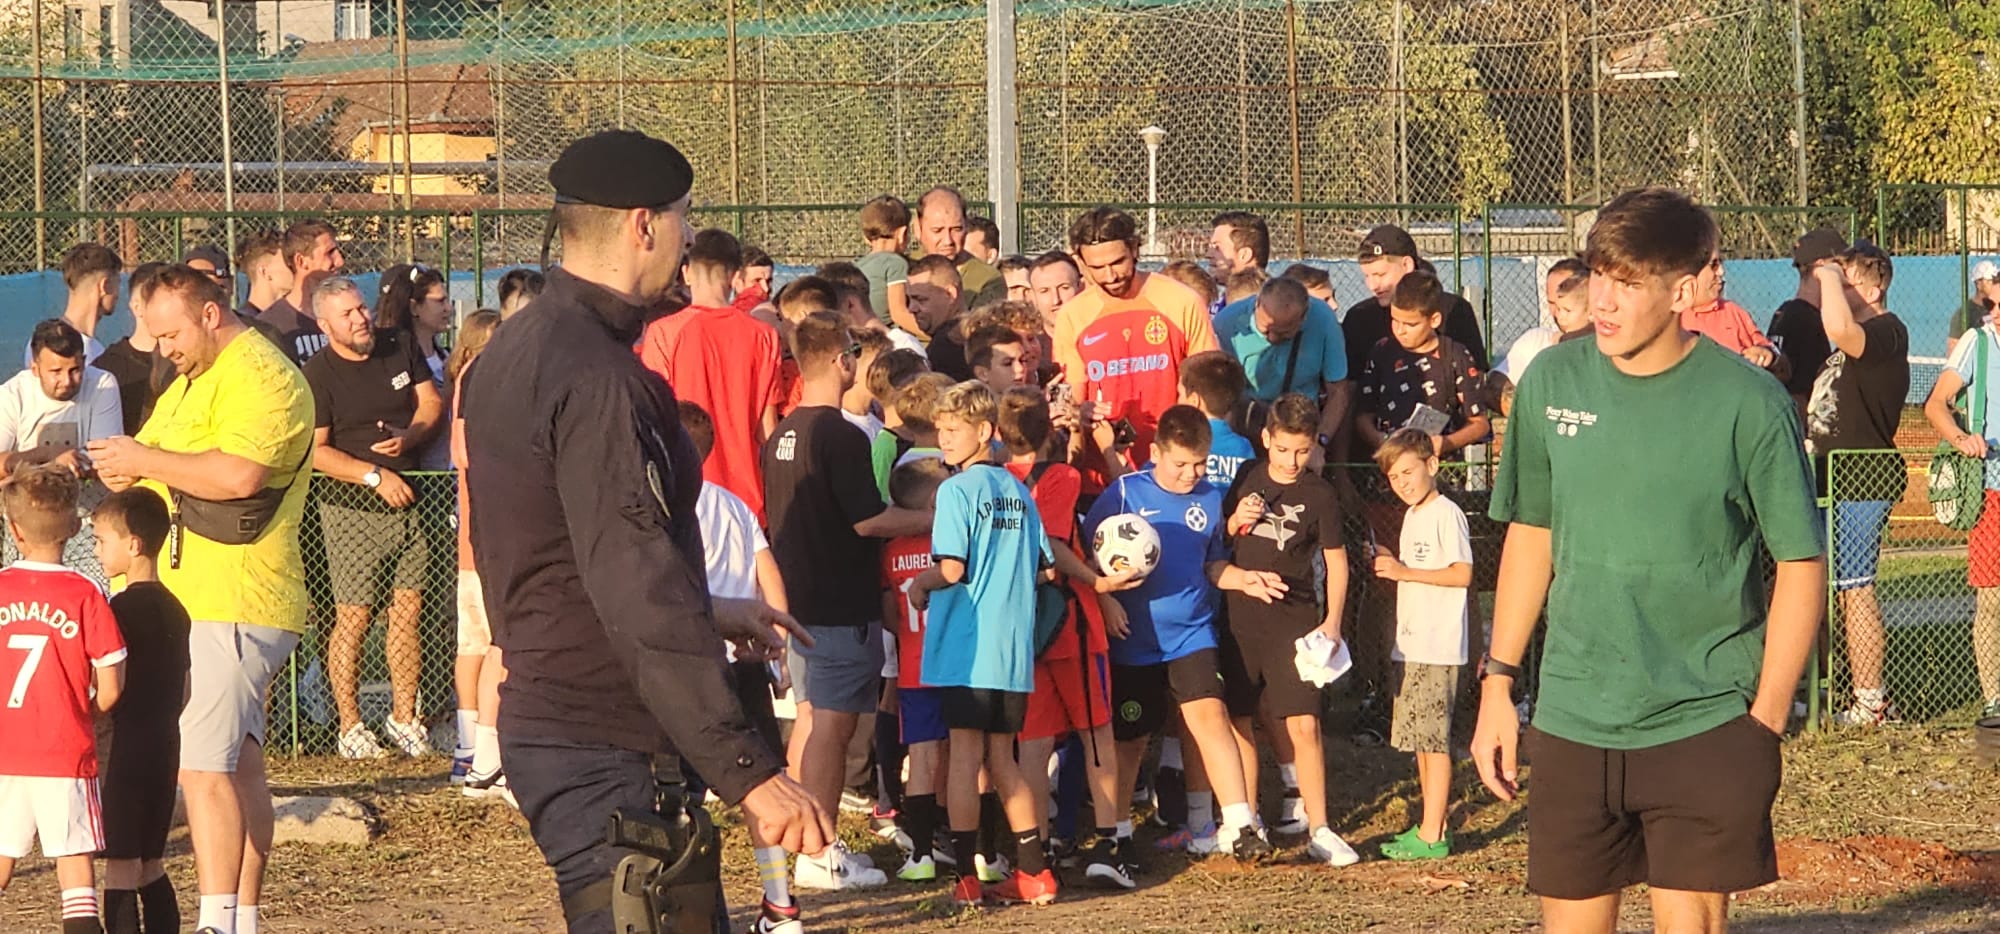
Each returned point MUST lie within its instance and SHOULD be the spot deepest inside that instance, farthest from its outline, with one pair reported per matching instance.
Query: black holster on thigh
(670, 879)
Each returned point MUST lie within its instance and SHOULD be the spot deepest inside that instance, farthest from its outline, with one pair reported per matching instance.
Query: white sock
(771, 872)
(1170, 754)
(79, 902)
(1234, 816)
(1871, 698)
(1124, 831)
(1289, 774)
(485, 749)
(467, 726)
(246, 919)
(1201, 809)
(218, 912)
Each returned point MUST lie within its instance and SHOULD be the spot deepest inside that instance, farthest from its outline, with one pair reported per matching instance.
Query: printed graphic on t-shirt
(1823, 409)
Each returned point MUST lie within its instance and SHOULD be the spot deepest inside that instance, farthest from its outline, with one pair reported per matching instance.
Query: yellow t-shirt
(255, 404)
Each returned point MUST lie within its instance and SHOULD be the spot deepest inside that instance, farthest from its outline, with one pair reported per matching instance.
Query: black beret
(621, 169)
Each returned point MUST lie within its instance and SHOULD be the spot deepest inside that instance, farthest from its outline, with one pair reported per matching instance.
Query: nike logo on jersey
(1092, 339)
(1148, 513)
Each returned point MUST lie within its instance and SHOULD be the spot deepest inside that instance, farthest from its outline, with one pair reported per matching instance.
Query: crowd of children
(1004, 656)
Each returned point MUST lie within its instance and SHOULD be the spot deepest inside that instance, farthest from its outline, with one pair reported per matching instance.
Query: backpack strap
(1979, 385)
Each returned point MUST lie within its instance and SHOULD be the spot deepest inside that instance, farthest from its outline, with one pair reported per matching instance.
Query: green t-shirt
(883, 269)
(1659, 493)
(983, 284)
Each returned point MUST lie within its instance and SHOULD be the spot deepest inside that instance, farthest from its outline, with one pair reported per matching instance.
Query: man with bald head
(941, 229)
(228, 445)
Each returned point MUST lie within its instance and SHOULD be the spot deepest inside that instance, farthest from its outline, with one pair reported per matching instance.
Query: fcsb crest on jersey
(1156, 330)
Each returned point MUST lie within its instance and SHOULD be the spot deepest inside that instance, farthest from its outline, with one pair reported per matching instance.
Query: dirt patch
(1825, 871)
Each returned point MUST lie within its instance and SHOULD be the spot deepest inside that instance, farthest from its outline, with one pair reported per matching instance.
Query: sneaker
(1104, 866)
(1408, 846)
(776, 920)
(855, 802)
(1865, 714)
(412, 740)
(1992, 709)
(922, 869)
(1038, 889)
(835, 870)
(1250, 846)
(461, 766)
(1327, 847)
(991, 872)
(1202, 842)
(1061, 853)
(883, 826)
(360, 743)
(1291, 815)
(968, 893)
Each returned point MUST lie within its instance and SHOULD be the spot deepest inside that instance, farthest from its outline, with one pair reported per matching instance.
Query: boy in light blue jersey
(1164, 648)
(1213, 382)
(988, 551)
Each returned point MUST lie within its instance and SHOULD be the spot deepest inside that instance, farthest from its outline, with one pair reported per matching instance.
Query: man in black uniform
(583, 489)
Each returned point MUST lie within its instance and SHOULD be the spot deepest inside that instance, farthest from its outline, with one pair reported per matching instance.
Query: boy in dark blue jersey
(1164, 647)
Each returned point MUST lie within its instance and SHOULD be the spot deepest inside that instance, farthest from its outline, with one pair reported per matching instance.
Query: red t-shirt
(1127, 352)
(55, 629)
(726, 362)
(791, 389)
(902, 560)
(1055, 496)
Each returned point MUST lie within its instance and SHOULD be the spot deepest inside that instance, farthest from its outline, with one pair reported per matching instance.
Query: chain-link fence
(370, 105)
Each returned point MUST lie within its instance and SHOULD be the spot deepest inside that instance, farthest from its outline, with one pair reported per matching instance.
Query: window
(351, 19)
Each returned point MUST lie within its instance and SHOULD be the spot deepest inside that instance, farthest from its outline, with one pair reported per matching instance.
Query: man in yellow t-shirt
(238, 421)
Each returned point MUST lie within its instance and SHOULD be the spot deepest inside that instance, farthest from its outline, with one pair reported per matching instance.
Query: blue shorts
(922, 713)
(1856, 540)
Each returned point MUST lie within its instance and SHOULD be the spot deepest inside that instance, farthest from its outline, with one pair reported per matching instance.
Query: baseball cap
(214, 256)
(1386, 240)
(1817, 244)
(1985, 271)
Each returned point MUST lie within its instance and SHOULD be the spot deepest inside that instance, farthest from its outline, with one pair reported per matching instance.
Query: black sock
(1170, 787)
(920, 822)
(1107, 833)
(964, 846)
(162, 911)
(889, 754)
(1028, 855)
(992, 825)
(121, 911)
(87, 925)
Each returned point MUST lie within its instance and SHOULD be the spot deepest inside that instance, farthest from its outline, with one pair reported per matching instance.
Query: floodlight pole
(1003, 144)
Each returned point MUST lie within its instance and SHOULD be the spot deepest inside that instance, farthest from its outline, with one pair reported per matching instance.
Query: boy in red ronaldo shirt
(58, 641)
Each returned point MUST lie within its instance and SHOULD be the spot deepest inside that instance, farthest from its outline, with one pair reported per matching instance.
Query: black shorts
(985, 710)
(753, 691)
(1257, 668)
(1142, 695)
(1693, 814)
(137, 787)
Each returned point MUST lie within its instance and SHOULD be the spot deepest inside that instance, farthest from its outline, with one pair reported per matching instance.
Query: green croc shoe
(1409, 846)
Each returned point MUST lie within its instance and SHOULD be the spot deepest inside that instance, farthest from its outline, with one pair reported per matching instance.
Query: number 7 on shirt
(33, 645)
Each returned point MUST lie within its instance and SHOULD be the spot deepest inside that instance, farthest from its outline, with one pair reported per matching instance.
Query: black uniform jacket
(583, 490)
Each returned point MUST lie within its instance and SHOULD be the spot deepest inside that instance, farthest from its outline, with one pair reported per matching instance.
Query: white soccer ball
(1126, 542)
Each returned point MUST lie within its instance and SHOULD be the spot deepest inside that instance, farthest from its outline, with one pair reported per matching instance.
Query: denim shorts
(1856, 540)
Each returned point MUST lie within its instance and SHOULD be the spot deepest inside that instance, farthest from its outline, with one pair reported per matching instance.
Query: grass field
(1890, 831)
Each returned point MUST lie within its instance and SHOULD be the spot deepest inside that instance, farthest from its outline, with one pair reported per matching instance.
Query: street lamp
(1152, 135)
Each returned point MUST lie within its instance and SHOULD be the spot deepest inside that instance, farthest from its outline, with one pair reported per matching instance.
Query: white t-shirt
(1526, 347)
(91, 351)
(730, 540)
(900, 339)
(1432, 621)
(26, 411)
(868, 423)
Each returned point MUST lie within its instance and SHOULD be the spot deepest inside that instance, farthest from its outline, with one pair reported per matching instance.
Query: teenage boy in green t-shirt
(1643, 474)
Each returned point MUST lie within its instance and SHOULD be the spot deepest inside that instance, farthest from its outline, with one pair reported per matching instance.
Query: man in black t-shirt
(1286, 518)
(1388, 254)
(375, 406)
(827, 518)
(937, 301)
(310, 248)
(1795, 328)
(1857, 403)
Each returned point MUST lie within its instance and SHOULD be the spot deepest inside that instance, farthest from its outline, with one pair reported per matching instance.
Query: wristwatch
(373, 478)
(1488, 665)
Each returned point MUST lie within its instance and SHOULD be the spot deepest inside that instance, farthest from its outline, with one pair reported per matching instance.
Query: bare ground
(1891, 831)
